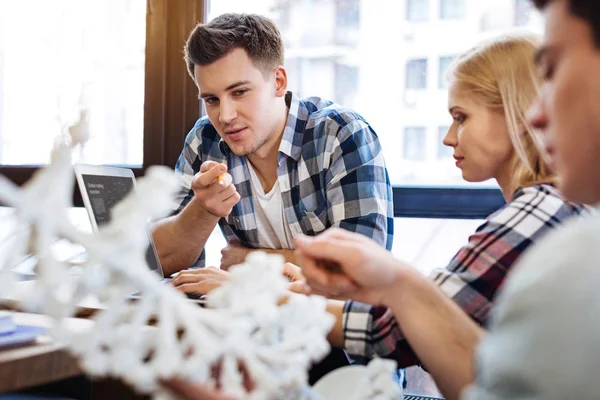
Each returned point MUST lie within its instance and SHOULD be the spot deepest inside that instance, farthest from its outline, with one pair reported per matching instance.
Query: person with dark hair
(264, 164)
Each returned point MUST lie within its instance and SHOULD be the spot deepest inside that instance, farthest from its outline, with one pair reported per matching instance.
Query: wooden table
(86, 308)
(39, 363)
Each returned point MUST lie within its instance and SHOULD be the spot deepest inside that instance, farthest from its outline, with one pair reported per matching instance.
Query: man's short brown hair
(256, 34)
(587, 10)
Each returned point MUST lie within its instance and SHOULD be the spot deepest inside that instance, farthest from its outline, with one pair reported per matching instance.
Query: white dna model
(247, 333)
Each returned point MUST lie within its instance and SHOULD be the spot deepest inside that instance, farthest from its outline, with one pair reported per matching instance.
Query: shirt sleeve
(187, 166)
(471, 279)
(359, 194)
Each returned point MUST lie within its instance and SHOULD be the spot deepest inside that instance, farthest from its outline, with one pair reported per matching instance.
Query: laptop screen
(104, 192)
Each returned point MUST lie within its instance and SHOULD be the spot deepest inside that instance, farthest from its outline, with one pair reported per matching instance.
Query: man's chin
(579, 192)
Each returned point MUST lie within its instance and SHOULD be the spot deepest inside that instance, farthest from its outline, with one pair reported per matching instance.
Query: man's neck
(264, 160)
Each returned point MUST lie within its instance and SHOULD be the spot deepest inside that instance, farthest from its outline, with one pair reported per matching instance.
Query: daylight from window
(58, 57)
(387, 60)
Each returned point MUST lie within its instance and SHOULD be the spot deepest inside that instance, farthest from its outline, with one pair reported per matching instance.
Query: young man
(264, 164)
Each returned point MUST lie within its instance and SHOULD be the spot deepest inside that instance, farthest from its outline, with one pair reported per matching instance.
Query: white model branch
(248, 334)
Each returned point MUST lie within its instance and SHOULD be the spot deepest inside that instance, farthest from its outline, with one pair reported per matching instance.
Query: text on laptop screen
(104, 193)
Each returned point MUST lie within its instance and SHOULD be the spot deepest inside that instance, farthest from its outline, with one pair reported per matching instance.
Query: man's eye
(240, 92)
(211, 100)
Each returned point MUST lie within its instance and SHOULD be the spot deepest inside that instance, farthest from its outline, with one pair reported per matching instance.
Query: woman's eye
(459, 118)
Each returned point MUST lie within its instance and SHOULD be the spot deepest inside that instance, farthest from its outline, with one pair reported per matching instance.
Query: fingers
(299, 287)
(225, 193)
(194, 275)
(292, 272)
(327, 247)
(204, 287)
(338, 287)
(209, 173)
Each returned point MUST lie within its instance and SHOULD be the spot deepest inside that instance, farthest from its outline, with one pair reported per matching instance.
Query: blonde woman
(491, 88)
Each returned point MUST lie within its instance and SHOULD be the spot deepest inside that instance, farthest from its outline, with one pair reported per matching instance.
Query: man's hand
(342, 264)
(233, 254)
(214, 190)
(200, 281)
(297, 280)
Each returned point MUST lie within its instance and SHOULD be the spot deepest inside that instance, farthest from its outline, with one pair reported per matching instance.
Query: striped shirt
(473, 276)
(331, 172)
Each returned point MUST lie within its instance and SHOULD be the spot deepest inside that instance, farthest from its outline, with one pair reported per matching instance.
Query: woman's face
(480, 139)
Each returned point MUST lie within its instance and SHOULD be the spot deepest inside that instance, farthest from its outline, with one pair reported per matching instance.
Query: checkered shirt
(473, 276)
(331, 172)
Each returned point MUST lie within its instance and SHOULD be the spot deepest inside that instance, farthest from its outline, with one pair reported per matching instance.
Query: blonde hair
(501, 73)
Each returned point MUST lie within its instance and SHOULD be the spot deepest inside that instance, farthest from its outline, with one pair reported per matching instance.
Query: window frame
(171, 107)
(171, 104)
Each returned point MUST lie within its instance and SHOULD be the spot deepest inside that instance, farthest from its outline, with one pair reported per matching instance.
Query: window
(416, 74)
(346, 84)
(347, 22)
(91, 58)
(417, 10)
(366, 58)
(452, 9)
(445, 62)
(523, 12)
(414, 143)
(347, 13)
(443, 150)
(112, 72)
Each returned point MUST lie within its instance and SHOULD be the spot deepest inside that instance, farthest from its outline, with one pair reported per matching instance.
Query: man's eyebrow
(234, 85)
(228, 88)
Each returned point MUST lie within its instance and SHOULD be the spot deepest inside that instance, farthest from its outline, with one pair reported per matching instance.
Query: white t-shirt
(544, 340)
(273, 229)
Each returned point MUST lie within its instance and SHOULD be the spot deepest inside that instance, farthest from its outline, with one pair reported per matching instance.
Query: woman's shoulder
(540, 205)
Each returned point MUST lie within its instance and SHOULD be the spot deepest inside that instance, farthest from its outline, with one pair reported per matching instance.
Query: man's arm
(439, 331)
(359, 192)
(235, 253)
(179, 239)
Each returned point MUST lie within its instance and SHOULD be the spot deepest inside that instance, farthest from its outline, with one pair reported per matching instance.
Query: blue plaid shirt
(331, 173)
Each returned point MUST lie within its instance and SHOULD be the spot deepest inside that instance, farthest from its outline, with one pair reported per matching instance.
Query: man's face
(241, 101)
(568, 109)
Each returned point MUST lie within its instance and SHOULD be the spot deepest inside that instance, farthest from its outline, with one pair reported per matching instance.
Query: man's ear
(280, 81)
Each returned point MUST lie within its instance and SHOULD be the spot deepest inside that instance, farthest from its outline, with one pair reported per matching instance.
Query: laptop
(101, 189)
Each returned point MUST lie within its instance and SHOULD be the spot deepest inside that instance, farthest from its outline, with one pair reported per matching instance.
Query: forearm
(288, 255)
(179, 239)
(439, 331)
(336, 335)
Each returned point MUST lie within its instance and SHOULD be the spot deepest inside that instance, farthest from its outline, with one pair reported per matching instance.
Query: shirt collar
(291, 141)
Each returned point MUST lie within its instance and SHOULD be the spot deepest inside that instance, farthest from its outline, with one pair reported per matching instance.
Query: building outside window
(444, 63)
(452, 9)
(416, 74)
(444, 152)
(415, 143)
(417, 10)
